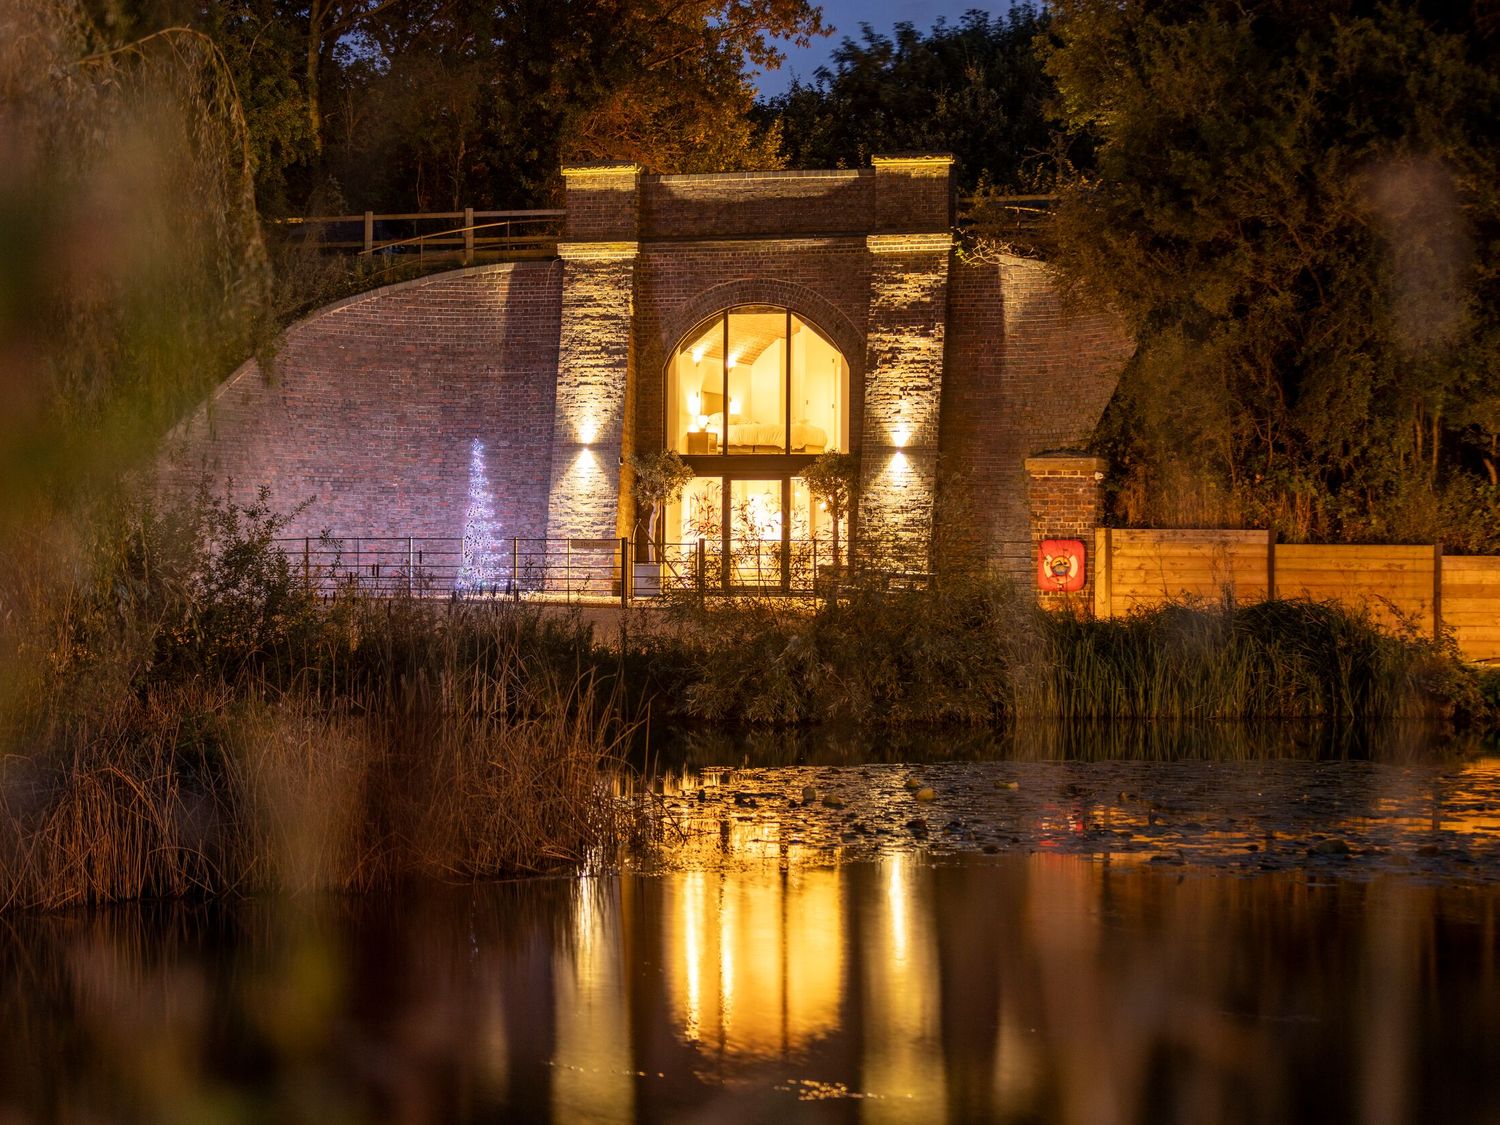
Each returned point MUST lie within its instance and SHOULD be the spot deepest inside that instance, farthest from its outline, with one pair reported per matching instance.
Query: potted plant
(660, 477)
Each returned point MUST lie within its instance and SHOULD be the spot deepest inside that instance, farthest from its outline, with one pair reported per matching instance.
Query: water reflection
(1010, 988)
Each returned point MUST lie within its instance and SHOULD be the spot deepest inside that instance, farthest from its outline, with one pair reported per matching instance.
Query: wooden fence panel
(1396, 584)
(1145, 567)
(1471, 604)
(1401, 587)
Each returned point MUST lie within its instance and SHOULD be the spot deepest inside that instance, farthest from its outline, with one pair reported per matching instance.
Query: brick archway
(805, 302)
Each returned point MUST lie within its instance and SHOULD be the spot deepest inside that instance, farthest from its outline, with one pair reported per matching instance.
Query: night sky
(882, 15)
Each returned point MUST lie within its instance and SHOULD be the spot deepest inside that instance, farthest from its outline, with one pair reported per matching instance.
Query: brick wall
(776, 204)
(913, 193)
(1064, 494)
(374, 403)
(602, 201)
(593, 373)
(1024, 373)
(903, 389)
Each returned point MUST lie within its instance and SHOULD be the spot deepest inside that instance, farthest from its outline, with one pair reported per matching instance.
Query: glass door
(756, 534)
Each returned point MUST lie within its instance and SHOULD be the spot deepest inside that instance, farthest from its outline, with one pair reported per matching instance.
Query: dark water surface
(1267, 939)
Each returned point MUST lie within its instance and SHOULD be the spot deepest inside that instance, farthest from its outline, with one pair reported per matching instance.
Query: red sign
(1060, 565)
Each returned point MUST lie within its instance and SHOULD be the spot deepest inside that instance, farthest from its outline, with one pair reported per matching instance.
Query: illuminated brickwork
(367, 424)
(903, 393)
(1024, 373)
(1065, 496)
(594, 352)
(958, 370)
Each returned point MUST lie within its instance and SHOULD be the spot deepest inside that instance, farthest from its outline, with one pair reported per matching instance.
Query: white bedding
(771, 436)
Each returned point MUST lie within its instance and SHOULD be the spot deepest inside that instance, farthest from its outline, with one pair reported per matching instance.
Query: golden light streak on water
(903, 1059)
(592, 1075)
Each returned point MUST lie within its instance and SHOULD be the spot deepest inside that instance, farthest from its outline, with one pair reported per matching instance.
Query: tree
(1285, 211)
(660, 477)
(976, 89)
(831, 479)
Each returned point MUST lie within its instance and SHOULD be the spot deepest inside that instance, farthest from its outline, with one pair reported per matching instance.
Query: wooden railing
(462, 237)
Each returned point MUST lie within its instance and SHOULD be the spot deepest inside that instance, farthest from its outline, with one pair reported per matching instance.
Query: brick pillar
(904, 359)
(1065, 495)
(595, 357)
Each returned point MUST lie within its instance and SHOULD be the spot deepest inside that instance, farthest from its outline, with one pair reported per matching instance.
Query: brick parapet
(602, 202)
(913, 192)
(775, 204)
(1065, 500)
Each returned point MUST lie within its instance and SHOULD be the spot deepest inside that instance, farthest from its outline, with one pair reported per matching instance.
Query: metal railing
(567, 569)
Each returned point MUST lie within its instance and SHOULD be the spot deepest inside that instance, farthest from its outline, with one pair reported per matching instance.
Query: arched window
(757, 381)
(754, 394)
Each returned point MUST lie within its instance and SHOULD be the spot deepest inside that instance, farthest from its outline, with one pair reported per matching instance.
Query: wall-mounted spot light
(734, 406)
(695, 404)
(899, 463)
(588, 430)
(698, 353)
(901, 435)
(734, 360)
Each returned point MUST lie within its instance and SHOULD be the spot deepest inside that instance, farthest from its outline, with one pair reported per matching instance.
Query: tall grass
(194, 721)
(973, 651)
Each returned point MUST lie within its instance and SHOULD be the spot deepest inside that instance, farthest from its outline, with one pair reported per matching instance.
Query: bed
(770, 437)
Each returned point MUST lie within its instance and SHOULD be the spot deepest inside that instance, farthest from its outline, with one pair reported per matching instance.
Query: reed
(197, 723)
(975, 651)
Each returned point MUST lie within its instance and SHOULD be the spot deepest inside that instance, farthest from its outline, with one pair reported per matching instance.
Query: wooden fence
(1400, 586)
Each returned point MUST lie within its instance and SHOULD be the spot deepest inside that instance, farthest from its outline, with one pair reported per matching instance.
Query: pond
(1272, 936)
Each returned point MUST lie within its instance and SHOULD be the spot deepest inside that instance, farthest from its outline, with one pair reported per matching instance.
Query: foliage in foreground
(193, 721)
(978, 652)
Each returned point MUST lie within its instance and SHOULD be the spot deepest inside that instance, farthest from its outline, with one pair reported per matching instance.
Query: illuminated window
(757, 381)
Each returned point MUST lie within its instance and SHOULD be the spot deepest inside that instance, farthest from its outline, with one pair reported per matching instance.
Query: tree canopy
(1296, 209)
(976, 89)
(435, 104)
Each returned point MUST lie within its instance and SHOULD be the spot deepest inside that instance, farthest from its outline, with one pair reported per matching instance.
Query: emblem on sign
(1060, 565)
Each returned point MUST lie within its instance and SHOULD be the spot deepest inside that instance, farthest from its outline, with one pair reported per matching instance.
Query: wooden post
(468, 236)
(1270, 564)
(1437, 591)
(369, 231)
(627, 575)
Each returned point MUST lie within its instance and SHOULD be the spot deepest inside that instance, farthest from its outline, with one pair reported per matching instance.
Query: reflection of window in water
(757, 380)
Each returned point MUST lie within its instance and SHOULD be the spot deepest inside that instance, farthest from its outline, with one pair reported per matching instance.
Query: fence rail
(430, 237)
(1401, 587)
(570, 569)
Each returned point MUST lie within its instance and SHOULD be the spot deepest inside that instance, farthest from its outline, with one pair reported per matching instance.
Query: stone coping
(1066, 463)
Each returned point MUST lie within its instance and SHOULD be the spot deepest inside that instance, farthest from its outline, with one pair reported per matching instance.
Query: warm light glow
(902, 434)
(698, 354)
(695, 404)
(734, 406)
(733, 360)
(899, 463)
(588, 430)
(703, 421)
